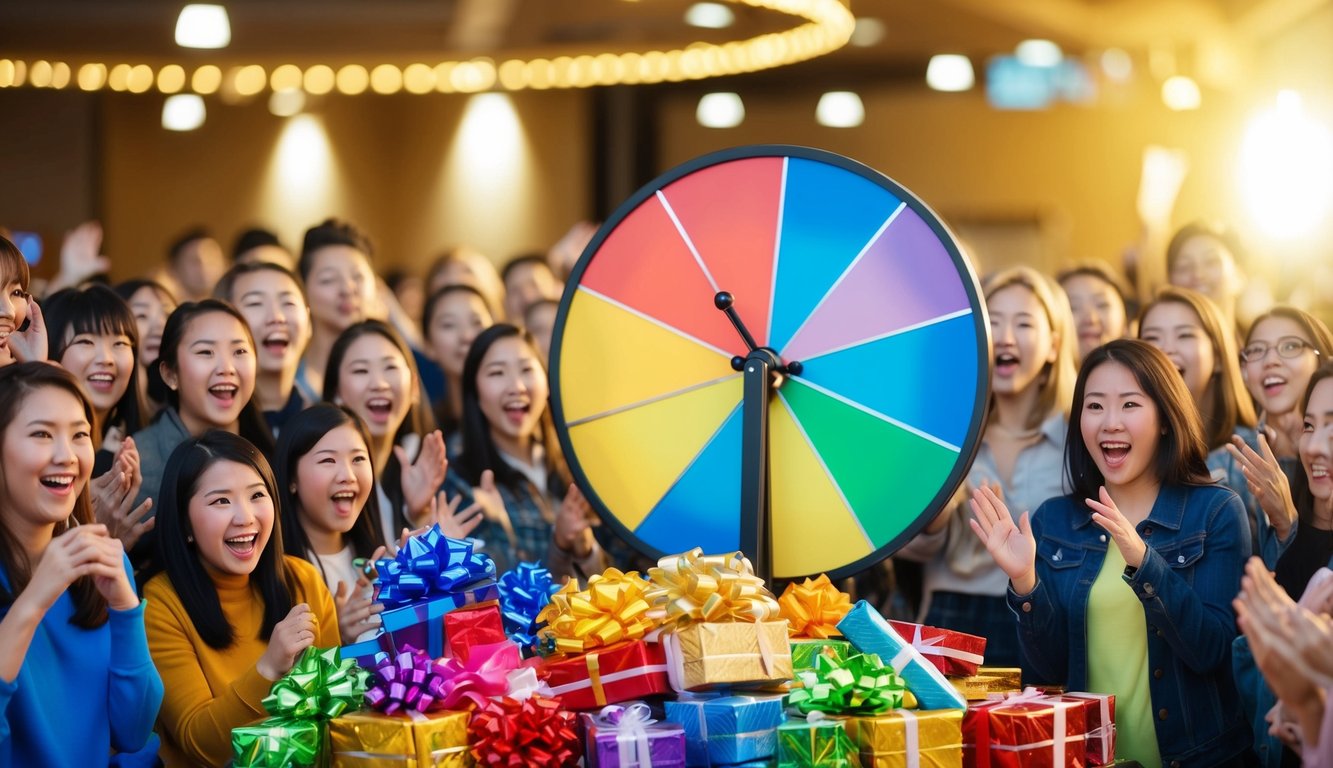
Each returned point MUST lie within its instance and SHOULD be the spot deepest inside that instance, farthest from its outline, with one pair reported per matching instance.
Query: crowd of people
(197, 464)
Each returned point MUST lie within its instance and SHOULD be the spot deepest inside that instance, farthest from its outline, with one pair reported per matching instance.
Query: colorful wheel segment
(830, 264)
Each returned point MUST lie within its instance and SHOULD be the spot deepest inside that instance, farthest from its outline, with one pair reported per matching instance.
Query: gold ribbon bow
(813, 609)
(694, 587)
(611, 609)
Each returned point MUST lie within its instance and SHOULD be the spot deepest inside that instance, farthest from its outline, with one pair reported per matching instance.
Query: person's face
(277, 315)
(48, 458)
(199, 266)
(269, 254)
(1175, 329)
(1204, 264)
(1278, 383)
(13, 311)
(1099, 314)
(1316, 443)
(1120, 426)
(341, 287)
(151, 310)
(512, 389)
(231, 517)
(527, 283)
(333, 481)
(102, 362)
(1024, 342)
(455, 322)
(375, 382)
(541, 324)
(215, 372)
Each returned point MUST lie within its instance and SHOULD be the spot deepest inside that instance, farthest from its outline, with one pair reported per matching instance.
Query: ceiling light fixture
(1039, 53)
(203, 26)
(840, 109)
(183, 112)
(720, 110)
(950, 72)
(709, 16)
(1181, 93)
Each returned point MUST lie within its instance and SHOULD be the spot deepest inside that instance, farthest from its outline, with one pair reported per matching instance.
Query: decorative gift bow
(524, 592)
(611, 609)
(693, 587)
(859, 686)
(408, 682)
(485, 675)
(430, 564)
(534, 732)
(814, 608)
(630, 725)
(320, 686)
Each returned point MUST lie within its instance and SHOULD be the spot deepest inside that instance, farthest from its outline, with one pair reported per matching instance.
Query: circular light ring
(829, 27)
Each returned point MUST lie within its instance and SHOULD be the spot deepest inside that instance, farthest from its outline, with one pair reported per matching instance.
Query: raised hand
(453, 523)
(1013, 546)
(573, 525)
(290, 637)
(1106, 514)
(1318, 595)
(113, 496)
(30, 344)
(493, 504)
(85, 550)
(423, 477)
(1266, 481)
(80, 256)
(357, 612)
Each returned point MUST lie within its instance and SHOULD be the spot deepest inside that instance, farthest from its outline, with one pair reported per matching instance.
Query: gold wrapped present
(408, 740)
(707, 654)
(904, 738)
(989, 680)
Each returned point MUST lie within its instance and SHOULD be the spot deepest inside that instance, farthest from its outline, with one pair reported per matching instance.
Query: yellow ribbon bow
(813, 609)
(693, 587)
(611, 609)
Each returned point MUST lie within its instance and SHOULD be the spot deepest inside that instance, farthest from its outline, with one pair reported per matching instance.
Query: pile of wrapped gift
(698, 664)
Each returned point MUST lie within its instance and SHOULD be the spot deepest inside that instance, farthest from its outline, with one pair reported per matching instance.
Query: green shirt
(1118, 659)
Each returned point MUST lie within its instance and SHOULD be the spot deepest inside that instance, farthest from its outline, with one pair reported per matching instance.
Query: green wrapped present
(804, 652)
(858, 686)
(279, 742)
(815, 742)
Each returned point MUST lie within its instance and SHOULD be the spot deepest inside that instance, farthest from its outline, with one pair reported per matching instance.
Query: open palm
(1012, 546)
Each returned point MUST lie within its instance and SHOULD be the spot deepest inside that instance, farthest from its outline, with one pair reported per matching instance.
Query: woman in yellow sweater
(230, 613)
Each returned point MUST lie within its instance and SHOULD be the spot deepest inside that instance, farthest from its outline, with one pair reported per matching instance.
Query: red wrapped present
(621, 672)
(952, 653)
(1027, 730)
(466, 628)
(1099, 709)
(533, 733)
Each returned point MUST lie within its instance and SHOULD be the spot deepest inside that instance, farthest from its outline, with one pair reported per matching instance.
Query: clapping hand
(113, 496)
(422, 478)
(573, 527)
(30, 343)
(357, 612)
(452, 522)
(1106, 514)
(290, 638)
(1013, 546)
(1266, 481)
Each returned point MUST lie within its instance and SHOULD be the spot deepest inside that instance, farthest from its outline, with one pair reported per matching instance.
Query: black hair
(127, 289)
(12, 262)
(251, 424)
(1218, 232)
(253, 238)
(331, 232)
(189, 236)
(18, 382)
(298, 438)
(535, 259)
(1181, 450)
(428, 308)
(479, 452)
(96, 309)
(1301, 496)
(180, 561)
(227, 283)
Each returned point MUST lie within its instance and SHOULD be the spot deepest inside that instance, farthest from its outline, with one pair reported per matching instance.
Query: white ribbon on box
(932, 647)
(1059, 738)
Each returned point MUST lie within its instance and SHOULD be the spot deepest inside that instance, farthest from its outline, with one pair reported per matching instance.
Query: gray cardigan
(155, 443)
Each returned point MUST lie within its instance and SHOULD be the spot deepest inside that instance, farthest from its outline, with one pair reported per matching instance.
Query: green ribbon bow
(860, 685)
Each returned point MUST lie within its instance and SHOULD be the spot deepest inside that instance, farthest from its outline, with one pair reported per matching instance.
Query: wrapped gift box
(988, 681)
(803, 652)
(870, 633)
(817, 742)
(405, 740)
(628, 737)
(285, 741)
(1099, 710)
(1031, 730)
(466, 628)
(909, 739)
(723, 730)
(703, 655)
(621, 672)
(952, 653)
(419, 624)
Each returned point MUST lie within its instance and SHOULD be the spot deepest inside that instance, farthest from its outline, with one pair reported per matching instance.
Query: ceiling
(401, 31)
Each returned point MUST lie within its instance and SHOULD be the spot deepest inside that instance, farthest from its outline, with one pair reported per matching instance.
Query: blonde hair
(1057, 381)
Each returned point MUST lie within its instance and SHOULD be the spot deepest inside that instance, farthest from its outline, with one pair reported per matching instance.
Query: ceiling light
(287, 102)
(1039, 53)
(840, 109)
(1181, 93)
(1286, 167)
(709, 16)
(183, 112)
(203, 26)
(950, 72)
(1117, 64)
(720, 110)
(868, 32)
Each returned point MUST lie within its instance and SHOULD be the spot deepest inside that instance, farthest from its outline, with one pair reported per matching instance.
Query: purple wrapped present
(627, 736)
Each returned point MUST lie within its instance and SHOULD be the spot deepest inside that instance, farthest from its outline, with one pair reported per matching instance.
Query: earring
(189, 538)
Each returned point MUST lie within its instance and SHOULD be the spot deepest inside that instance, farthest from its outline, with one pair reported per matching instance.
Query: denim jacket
(1198, 541)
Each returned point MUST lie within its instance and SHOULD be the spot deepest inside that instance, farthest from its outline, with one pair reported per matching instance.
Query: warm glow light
(950, 72)
(250, 80)
(840, 109)
(319, 80)
(183, 112)
(286, 103)
(119, 78)
(386, 78)
(1286, 169)
(40, 74)
(91, 76)
(709, 16)
(869, 32)
(171, 78)
(60, 74)
(285, 78)
(302, 183)
(6, 73)
(473, 76)
(1039, 53)
(419, 78)
(206, 79)
(488, 174)
(203, 26)
(1181, 93)
(352, 79)
(720, 110)
(1117, 64)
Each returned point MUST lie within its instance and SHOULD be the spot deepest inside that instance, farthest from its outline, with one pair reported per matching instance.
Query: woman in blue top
(1125, 585)
(76, 681)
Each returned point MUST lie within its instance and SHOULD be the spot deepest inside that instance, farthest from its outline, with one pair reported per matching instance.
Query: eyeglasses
(1287, 347)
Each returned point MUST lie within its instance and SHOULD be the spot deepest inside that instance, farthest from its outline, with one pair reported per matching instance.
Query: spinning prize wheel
(772, 349)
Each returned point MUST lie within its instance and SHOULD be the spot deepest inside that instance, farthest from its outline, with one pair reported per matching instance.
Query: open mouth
(1274, 385)
(379, 408)
(1114, 453)
(5, 330)
(343, 502)
(1006, 364)
(1318, 471)
(59, 484)
(102, 382)
(242, 546)
(224, 394)
(276, 344)
(516, 412)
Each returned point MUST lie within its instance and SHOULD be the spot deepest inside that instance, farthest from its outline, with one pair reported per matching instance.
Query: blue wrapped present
(727, 730)
(870, 633)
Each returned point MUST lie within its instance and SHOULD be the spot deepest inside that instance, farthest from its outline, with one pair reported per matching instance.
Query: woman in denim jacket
(1125, 586)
